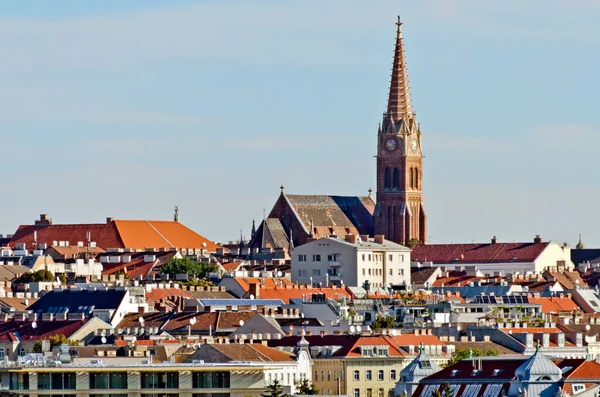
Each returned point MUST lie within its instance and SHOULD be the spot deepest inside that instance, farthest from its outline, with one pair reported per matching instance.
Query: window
(369, 392)
(390, 257)
(341, 375)
(369, 375)
(356, 392)
(369, 272)
(160, 380)
(363, 271)
(381, 393)
(396, 179)
(332, 258)
(328, 375)
(401, 258)
(380, 374)
(302, 273)
(316, 272)
(106, 380)
(208, 380)
(471, 390)
(578, 387)
(301, 258)
(400, 272)
(369, 257)
(363, 257)
(21, 351)
(316, 258)
(391, 272)
(356, 375)
(393, 374)
(387, 179)
(1, 353)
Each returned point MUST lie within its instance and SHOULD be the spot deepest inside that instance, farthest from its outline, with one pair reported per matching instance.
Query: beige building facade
(352, 261)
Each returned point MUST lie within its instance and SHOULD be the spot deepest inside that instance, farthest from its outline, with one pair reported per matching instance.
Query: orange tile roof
(394, 350)
(158, 293)
(415, 340)
(156, 234)
(296, 293)
(533, 330)
(554, 305)
(272, 354)
(245, 282)
(231, 266)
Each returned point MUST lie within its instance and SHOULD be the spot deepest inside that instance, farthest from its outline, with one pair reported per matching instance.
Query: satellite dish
(34, 325)
(193, 320)
(358, 328)
(279, 274)
(141, 320)
(587, 327)
(241, 323)
(103, 340)
(352, 329)
(251, 296)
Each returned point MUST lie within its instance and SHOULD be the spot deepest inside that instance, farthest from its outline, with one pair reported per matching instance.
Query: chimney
(494, 240)
(537, 239)
(351, 238)
(109, 219)
(379, 238)
(44, 220)
(254, 289)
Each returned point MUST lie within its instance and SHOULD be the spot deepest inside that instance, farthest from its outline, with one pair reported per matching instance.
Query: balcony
(335, 264)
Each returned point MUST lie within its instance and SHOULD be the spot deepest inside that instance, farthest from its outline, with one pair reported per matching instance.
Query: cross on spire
(399, 105)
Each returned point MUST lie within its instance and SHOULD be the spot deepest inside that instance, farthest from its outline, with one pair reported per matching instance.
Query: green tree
(383, 322)
(42, 275)
(187, 266)
(275, 389)
(413, 241)
(461, 354)
(55, 340)
(306, 388)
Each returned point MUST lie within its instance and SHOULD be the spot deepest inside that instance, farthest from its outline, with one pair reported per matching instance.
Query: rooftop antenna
(176, 214)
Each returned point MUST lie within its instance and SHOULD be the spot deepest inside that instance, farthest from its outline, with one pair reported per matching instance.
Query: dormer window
(454, 372)
(496, 372)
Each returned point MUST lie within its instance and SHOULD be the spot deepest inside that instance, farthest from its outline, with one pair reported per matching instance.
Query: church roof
(270, 234)
(399, 104)
(328, 214)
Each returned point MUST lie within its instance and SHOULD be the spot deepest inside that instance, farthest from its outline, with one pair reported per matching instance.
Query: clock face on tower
(390, 144)
(413, 145)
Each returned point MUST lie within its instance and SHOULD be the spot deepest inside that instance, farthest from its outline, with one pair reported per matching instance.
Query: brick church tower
(400, 213)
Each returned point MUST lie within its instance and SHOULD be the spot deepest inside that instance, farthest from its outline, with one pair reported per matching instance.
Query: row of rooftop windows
(118, 380)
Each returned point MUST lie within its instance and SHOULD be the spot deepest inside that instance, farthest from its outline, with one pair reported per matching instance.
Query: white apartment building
(353, 261)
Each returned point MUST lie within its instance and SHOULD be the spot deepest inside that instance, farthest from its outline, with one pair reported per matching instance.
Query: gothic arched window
(417, 178)
(412, 178)
(388, 178)
(396, 179)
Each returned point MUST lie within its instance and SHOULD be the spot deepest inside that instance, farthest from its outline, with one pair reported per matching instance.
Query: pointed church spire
(399, 106)
(253, 231)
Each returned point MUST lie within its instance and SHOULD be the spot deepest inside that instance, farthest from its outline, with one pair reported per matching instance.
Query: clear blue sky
(125, 108)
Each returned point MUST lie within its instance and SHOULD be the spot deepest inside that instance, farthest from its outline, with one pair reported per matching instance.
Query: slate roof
(591, 255)
(271, 234)
(342, 214)
(477, 253)
(74, 299)
(420, 275)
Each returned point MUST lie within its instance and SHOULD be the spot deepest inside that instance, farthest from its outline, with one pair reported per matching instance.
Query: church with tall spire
(400, 212)
(396, 211)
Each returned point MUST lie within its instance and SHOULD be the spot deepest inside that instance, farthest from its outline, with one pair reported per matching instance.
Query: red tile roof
(12, 330)
(231, 266)
(477, 253)
(286, 294)
(454, 278)
(554, 305)
(158, 293)
(134, 234)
